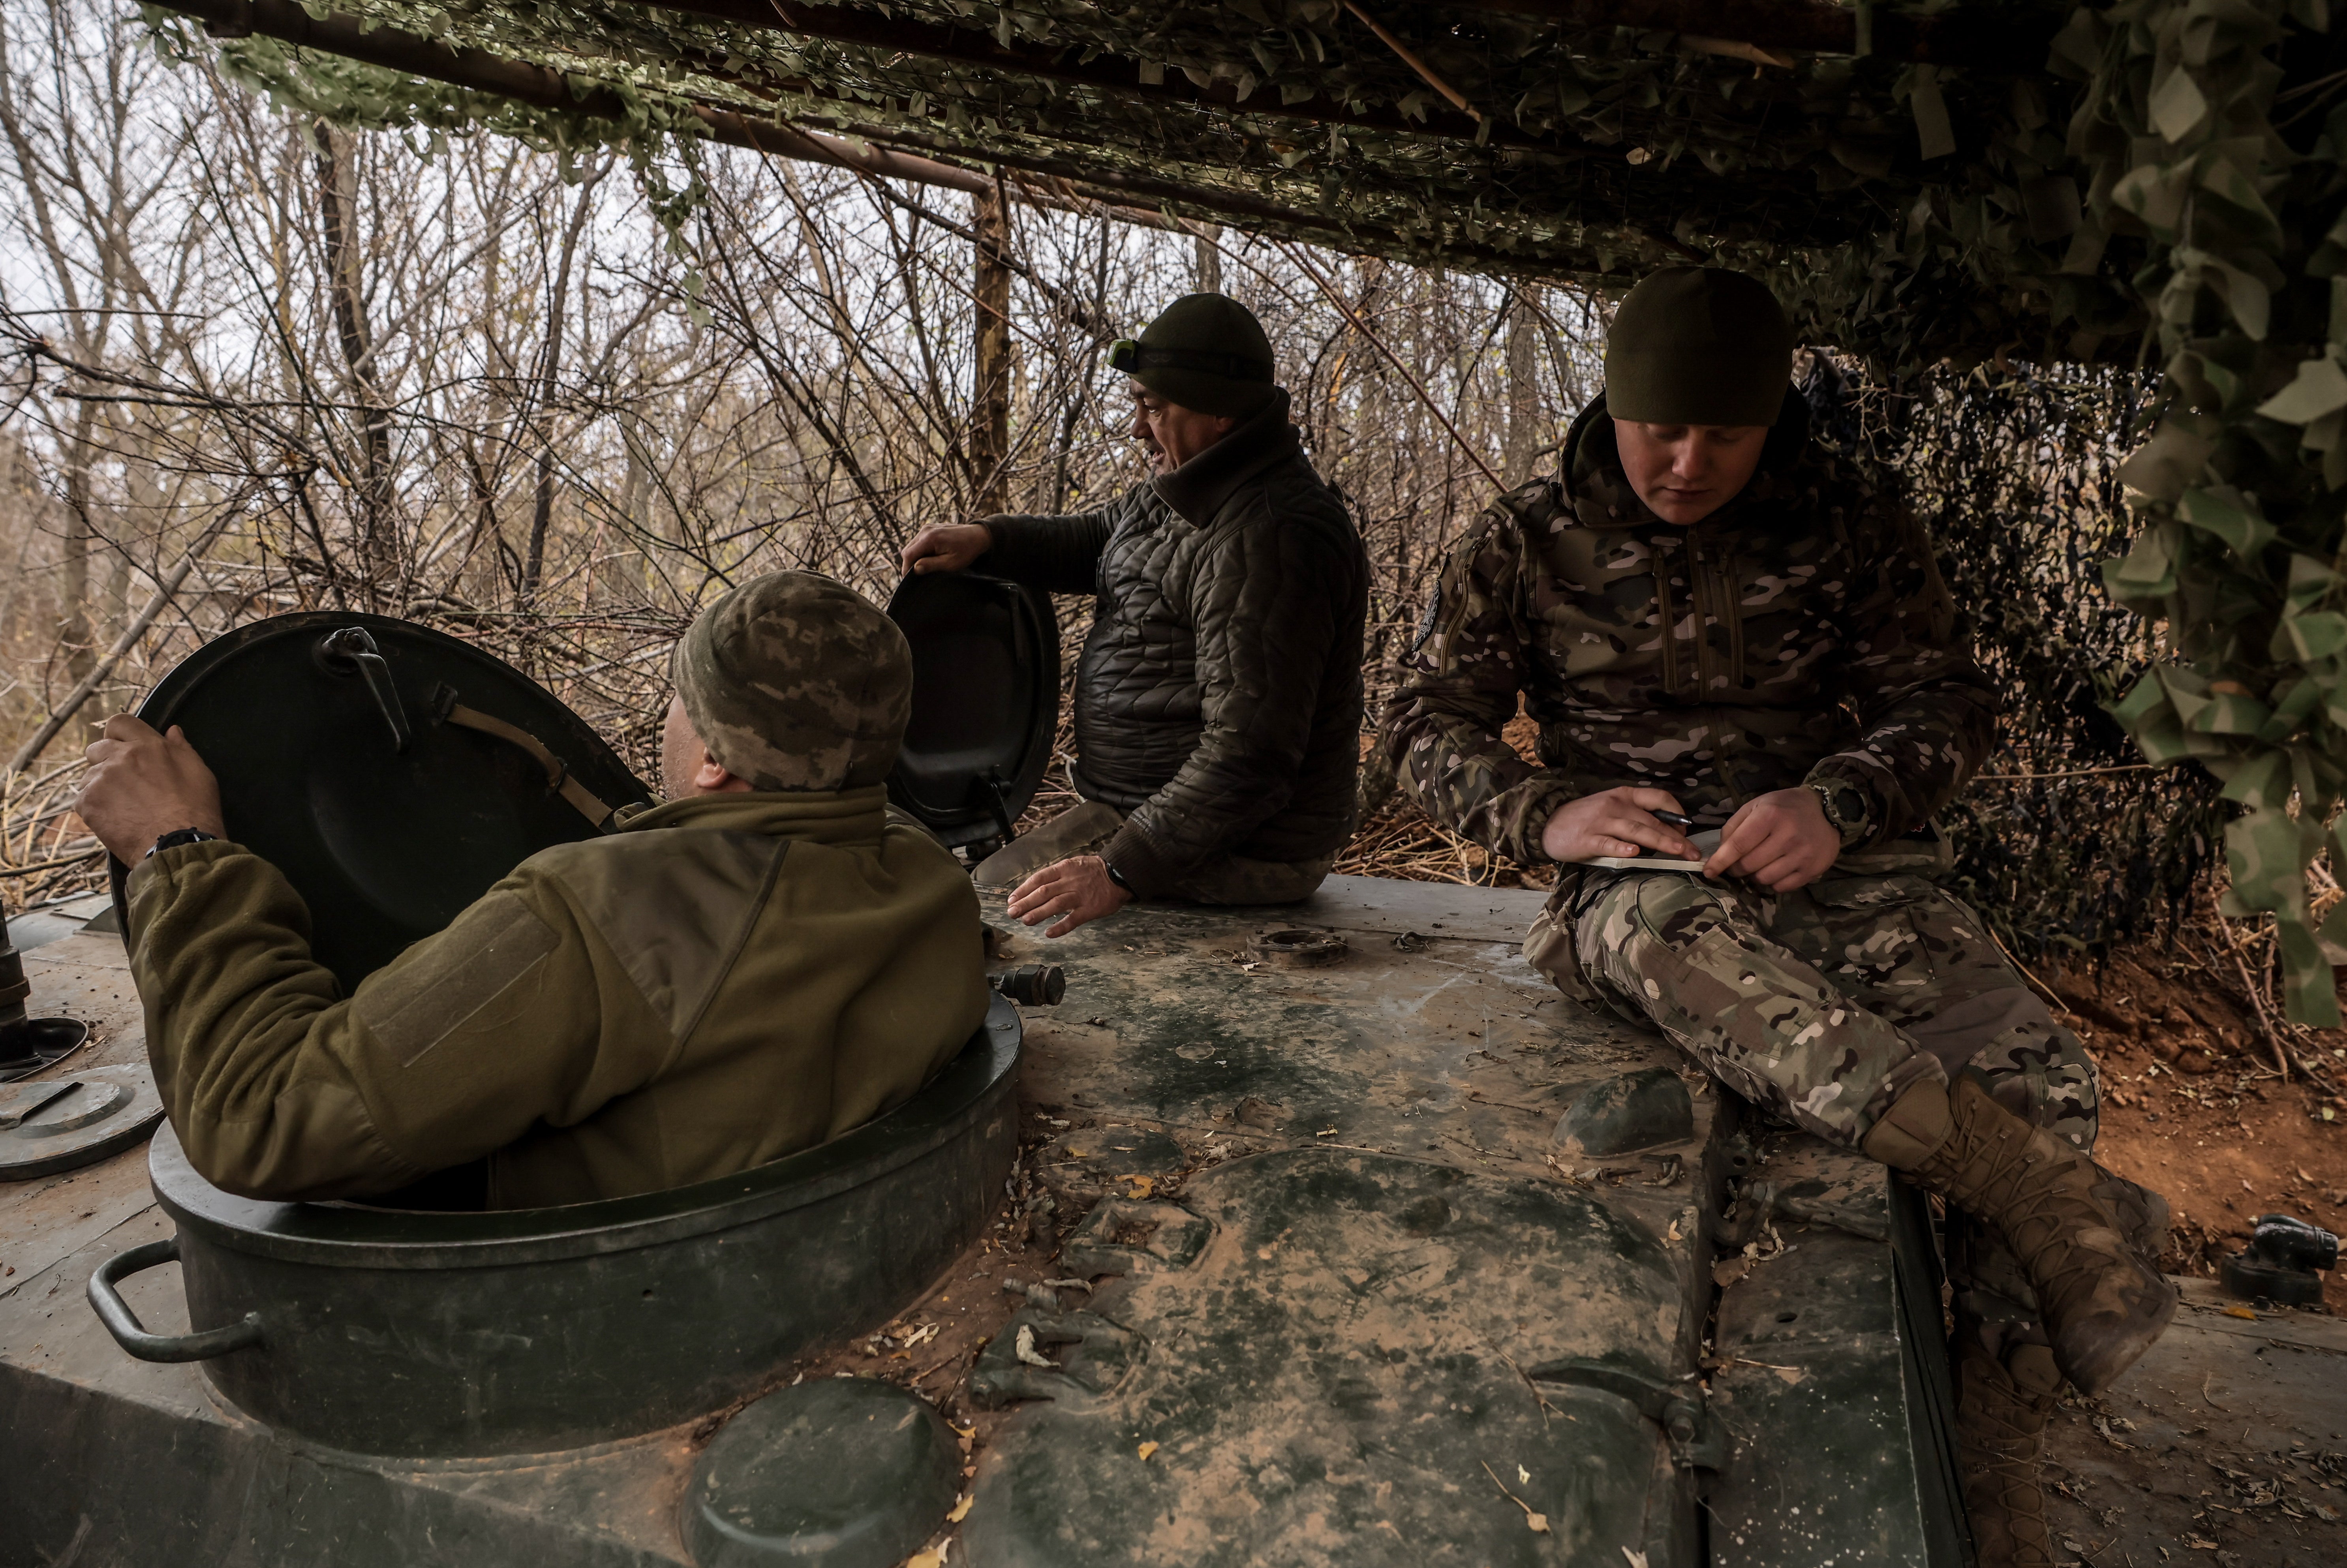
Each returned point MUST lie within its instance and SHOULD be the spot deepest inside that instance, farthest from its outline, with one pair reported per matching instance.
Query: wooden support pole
(989, 419)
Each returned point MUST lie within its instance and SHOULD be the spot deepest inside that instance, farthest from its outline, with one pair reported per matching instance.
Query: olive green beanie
(796, 682)
(1205, 351)
(1698, 345)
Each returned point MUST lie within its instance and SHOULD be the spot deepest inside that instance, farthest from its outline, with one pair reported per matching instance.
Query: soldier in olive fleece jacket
(724, 979)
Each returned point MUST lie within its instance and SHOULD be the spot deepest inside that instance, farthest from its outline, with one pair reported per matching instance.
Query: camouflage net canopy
(2154, 184)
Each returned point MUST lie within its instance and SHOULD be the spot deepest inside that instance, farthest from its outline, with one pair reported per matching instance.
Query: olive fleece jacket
(721, 981)
(1218, 699)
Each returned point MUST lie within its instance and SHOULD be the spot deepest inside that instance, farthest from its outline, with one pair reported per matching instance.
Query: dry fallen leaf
(1146, 1449)
(1024, 1348)
(2240, 1312)
(1142, 1185)
(960, 1511)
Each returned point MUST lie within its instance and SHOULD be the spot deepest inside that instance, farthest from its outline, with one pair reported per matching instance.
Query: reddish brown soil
(2195, 1107)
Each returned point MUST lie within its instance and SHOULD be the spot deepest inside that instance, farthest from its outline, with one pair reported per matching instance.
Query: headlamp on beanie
(1205, 352)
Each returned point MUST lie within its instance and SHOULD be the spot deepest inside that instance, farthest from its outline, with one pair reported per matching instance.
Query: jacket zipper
(1667, 619)
(1700, 618)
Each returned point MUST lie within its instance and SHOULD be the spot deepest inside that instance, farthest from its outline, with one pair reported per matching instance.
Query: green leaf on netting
(2178, 105)
(2162, 467)
(2153, 725)
(2259, 781)
(2230, 516)
(2231, 712)
(2147, 571)
(2154, 193)
(2310, 990)
(2261, 853)
(2303, 696)
(2320, 387)
(2316, 635)
(2310, 581)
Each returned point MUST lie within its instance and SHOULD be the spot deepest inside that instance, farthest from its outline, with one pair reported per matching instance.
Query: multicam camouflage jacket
(1801, 633)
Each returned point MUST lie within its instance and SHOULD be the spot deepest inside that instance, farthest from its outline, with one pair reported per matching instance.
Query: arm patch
(416, 1003)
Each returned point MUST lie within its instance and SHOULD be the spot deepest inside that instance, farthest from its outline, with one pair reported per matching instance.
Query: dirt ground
(2195, 1107)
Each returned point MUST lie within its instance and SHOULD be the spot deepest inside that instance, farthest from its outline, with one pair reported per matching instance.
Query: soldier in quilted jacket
(1218, 701)
(1753, 693)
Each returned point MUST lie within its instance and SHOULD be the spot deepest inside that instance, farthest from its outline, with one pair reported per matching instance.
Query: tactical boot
(2103, 1306)
(2142, 1213)
(2002, 1408)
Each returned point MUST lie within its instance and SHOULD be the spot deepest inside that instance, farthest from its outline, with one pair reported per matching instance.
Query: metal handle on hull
(106, 1300)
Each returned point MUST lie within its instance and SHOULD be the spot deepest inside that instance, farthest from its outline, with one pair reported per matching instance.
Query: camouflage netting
(2153, 184)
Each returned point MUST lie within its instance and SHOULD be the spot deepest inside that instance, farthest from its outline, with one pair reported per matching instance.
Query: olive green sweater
(723, 981)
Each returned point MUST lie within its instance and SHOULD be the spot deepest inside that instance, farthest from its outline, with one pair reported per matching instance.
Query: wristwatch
(178, 836)
(1116, 876)
(1847, 809)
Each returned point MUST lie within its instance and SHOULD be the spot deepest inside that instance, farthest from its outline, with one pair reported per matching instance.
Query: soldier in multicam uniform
(1710, 615)
(759, 963)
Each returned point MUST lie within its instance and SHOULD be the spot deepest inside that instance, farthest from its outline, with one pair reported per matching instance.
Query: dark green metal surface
(521, 1330)
(386, 842)
(1836, 1387)
(842, 1472)
(1361, 1355)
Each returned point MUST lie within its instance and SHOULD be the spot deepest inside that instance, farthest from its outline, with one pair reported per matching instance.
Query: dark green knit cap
(1698, 345)
(796, 682)
(1205, 351)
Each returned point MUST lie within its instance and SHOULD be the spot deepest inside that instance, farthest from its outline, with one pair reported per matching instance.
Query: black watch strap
(1115, 876)
(178, 836)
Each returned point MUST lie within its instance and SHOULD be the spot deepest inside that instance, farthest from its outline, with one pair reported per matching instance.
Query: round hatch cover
(841, 1473)
(62, 1123)
(986, 702)
(391, 772)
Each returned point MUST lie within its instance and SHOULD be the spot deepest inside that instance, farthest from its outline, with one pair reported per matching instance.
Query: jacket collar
(824, 816)
(1198, 488)
(1601, 497)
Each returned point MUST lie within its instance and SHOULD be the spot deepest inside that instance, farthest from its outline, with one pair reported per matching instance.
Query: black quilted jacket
(1218, 701)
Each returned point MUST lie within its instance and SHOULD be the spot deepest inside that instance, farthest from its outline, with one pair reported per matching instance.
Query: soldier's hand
(1780, 840)
(1077, 889)
(948, 547)
(142, 786)
(1617, 821)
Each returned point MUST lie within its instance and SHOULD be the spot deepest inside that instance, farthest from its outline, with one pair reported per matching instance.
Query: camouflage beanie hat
(1205, 351)
(1698, 345)
(796, 682)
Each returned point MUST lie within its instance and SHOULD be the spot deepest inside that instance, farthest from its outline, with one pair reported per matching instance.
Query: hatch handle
(351, 649)
(999, 803)
(1678, 1407)
(106, 1300)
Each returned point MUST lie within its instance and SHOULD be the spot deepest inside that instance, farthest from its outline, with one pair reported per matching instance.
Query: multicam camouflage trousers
(1823, 1005)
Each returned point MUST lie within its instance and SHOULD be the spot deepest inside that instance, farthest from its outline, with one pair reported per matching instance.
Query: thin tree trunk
(989, 436)
(1207, 256)
(1527, 426)
(338, 216)
(74, 626)
(542, 509)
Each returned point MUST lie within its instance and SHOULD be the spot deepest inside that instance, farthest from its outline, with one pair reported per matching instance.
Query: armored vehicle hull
(1348, 1291)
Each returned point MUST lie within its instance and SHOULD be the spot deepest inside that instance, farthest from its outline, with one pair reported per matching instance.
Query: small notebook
(1706, 841)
